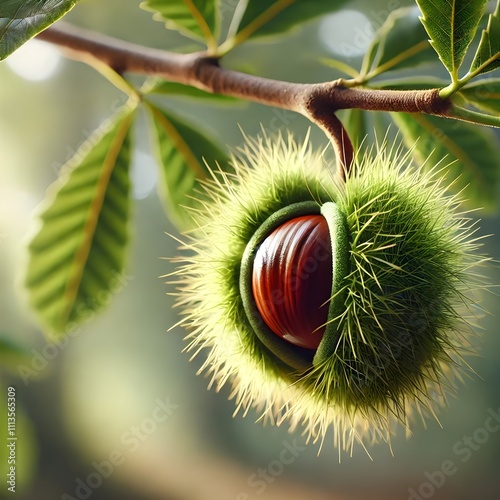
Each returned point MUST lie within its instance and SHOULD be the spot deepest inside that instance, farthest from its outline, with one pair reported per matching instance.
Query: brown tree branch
(318, 102)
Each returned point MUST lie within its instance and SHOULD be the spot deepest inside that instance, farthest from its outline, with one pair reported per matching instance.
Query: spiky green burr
(397, 324)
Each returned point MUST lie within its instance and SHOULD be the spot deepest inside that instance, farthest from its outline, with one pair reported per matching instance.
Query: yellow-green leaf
(198, 19)
(183, 151)
(77, 255)
(487, 57)
(470, 152)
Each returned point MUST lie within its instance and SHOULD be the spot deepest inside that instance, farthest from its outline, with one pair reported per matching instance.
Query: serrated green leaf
(484, 94)
(451, 26)
(21, 20)
(487, 57)
(182, 149)
(173, 88)
(472, 149)
(197, 19)
(401, 42)
(77, 255)
(264, 17)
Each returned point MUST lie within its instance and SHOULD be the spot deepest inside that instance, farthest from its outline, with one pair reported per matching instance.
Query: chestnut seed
(292, 280)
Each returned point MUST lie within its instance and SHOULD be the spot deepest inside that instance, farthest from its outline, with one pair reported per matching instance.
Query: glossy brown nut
(292, 280)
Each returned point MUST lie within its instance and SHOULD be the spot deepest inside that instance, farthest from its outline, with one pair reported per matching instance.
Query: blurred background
(86, 411)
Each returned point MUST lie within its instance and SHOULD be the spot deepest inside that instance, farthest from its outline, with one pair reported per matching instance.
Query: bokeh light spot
(347, 33)
(35, 60)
